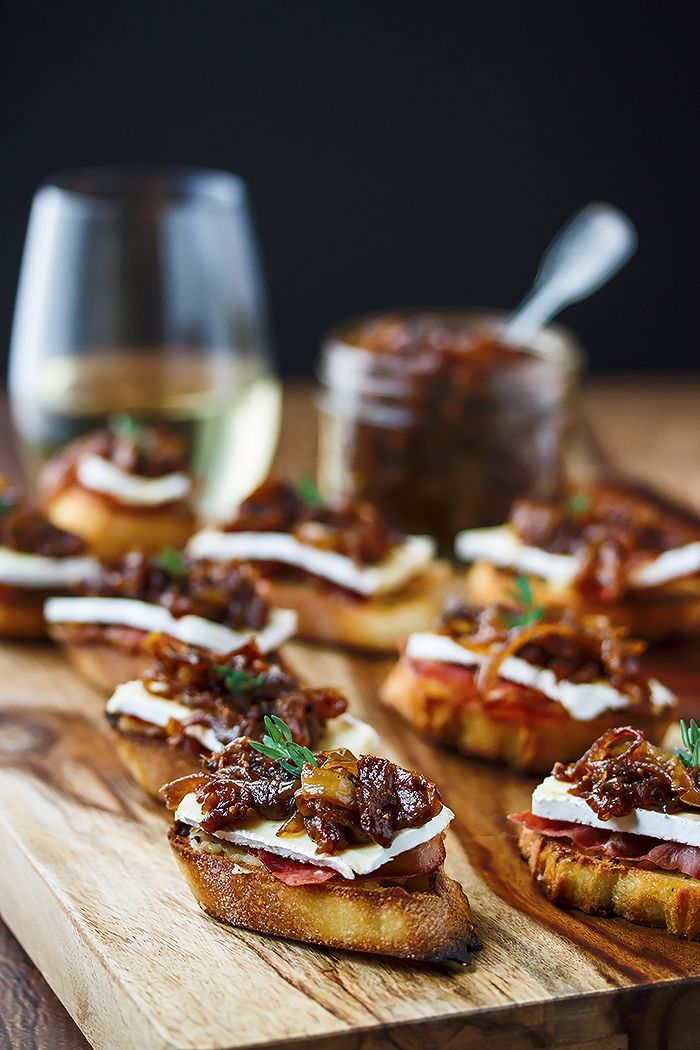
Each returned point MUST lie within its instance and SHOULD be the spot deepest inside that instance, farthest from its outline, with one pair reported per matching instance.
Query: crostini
(618, 832)
(213, 606)
(322, 847)
(351, 578)
(521, 686)
(121, 489)
(36, 561)
(609, 548)
(191, 703)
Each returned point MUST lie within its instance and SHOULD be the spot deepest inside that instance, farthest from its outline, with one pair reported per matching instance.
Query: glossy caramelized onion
(232, 694)
(342, 801)
(27, 530)
(622, 771)
(613, 528)
(219, 591)
(354, 528)
(583, 649)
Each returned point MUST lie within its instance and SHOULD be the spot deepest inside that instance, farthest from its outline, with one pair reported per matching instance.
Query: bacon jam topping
(25, 529)
(622, 771)
(339, 802)
(353, 528)
(579, 650)
(612, 528)
(233, 694)
(222, 592)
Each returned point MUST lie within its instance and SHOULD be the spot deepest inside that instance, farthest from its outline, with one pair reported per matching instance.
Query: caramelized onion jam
(622, 771)
(353, 528)
(223, 592)
(26, 529)
(232, 694)
(342, 801)
(614, 527)
(575, 649)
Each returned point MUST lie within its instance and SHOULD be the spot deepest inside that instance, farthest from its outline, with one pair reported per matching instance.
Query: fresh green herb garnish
(171, 561)
(7, 503)
(124, 425)
(529, 612)
(577, 504)
(278, 745)
(689, 754)
(308, 491)
(237, 681)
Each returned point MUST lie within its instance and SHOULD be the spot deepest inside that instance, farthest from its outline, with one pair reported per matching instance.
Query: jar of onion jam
(428, 414)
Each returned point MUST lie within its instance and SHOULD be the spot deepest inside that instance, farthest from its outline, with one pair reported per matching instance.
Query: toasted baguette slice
(103, 664)
(152, 762)
(427, 918)
(603, 886)
(373, 624)
(531, 742)
(112, 531)
(22, 620)
(673, 610)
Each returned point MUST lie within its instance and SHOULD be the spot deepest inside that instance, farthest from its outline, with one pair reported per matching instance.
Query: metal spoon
(593, 246)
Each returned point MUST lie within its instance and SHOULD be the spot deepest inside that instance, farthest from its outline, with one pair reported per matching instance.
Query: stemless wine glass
(141, 292)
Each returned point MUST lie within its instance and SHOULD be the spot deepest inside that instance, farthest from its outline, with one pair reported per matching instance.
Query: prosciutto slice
(294, 872)
(618, 845)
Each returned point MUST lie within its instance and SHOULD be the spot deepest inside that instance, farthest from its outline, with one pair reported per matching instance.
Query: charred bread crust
(533, 746)
(111, 531)
(603, 886)
(673, 610)
(102, 664)
(153, 762)
(22, 620)
(431, 925)
(372, 624)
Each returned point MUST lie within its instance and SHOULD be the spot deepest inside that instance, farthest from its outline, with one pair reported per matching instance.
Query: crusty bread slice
(111, 531)
(22, 620)
(673, 610)
(374, 624)
(461, 720)
(431, 922)
(152, 762)
(103, 664)
(603, 886)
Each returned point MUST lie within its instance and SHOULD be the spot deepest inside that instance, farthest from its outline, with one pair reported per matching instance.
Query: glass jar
(427, 414)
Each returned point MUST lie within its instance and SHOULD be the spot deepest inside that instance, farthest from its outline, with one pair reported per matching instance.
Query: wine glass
(141, 292)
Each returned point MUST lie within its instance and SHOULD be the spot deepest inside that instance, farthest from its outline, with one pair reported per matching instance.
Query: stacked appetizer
(124, 488)
(323, 847)
(618, 831)
(523, 686)
(609, 548)
(349, 575)
(214, 606)
(36, 559)
(190, 704)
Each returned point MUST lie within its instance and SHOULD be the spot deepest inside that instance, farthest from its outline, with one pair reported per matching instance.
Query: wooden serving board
(88, 886)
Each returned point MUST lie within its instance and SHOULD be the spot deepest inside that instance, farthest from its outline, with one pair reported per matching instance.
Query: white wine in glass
(141, 292)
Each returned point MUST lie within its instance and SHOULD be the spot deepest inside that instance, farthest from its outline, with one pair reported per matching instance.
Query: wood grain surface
(578, 982)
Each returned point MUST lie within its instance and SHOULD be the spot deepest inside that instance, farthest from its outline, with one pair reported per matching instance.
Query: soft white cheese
(133, 698)
(552, 800)
(583, 700)
(193, 630)
(500, 546)
(357, 860)
(98, 474)
(18, 569)
(404, 562)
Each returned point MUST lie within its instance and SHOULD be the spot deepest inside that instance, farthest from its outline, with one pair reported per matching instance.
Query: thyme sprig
(689, 754)
(238, 681)
(172, 561)
(577, 504)
(308, 491)
(278, 745)
(124, 425)
(522, 597)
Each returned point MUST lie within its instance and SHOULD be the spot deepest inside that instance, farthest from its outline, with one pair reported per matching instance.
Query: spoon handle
(585, 254)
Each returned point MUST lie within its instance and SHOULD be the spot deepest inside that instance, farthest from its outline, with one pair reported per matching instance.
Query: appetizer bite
(123, 488)
(190, 703)
(618, 831)
(213, 606)
(321, 847)
(350, 576)
(610, 548)
(522, 686)
(36, 560)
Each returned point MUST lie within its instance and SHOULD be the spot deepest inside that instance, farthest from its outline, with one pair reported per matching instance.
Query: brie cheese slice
(100, 475)
(36, 572)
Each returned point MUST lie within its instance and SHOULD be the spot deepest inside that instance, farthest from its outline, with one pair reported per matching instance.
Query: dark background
(395, 155)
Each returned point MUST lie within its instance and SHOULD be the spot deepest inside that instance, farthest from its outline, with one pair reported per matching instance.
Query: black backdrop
(395, 154)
